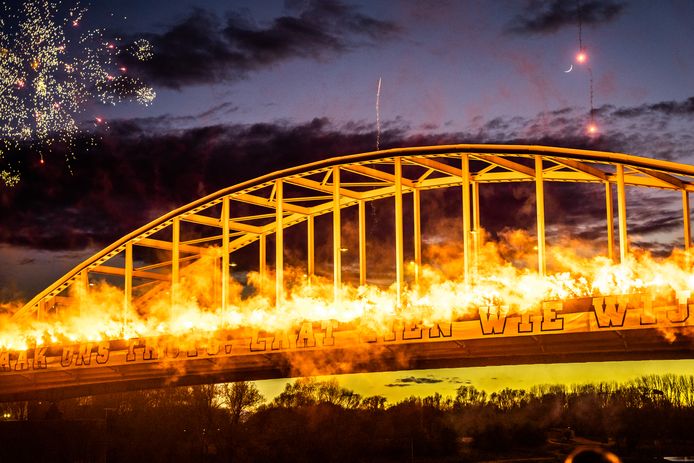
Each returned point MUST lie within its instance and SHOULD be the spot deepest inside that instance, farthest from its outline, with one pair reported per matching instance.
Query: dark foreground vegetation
(309, 421)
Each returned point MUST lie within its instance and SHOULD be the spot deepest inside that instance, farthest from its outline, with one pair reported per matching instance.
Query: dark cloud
(544, 17)
(411, 380)
(204, 49)
(140, 169)
(667, 108)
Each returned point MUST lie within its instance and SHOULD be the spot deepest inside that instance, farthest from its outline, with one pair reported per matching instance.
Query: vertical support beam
(417, 215)
(128, 293)
(609, 211)
(279, 242)
(622, 213)
(399, 252)
(337, 236)
(83, 291)
(540, 208)
(465, 167)
(477, 231)
(225, 253)
(476, 206)
(175, 258)
(311, 245)
(262, 262)
(362, 242)
(41, 310)
(686, 221)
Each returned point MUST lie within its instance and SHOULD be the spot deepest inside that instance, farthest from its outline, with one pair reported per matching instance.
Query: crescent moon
(570, 68)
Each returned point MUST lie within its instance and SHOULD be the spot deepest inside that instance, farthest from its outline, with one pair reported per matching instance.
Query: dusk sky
(247, 87)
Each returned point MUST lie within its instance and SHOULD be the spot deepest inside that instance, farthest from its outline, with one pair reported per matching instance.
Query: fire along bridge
(151, 262)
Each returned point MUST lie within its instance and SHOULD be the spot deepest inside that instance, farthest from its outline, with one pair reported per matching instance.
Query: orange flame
(504, 279)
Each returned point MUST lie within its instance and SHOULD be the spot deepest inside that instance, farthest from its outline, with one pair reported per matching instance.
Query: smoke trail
(592, 108)
(580, 25)
(378, 115)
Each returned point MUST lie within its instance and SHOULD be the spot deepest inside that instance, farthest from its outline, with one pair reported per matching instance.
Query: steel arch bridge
(293, 196)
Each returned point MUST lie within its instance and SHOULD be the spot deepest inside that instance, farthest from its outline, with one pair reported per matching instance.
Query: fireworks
(142, 50)
(50, 71)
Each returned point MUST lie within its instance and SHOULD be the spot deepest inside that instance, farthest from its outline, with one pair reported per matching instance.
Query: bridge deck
(641, 344)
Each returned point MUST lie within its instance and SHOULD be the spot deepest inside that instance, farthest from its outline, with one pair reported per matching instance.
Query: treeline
(322, 421)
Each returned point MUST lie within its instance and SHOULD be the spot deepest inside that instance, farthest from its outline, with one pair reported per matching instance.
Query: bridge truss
(298, 195)
(233, 218)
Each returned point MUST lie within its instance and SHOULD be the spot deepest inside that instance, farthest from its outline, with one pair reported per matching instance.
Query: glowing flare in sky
(581, 57)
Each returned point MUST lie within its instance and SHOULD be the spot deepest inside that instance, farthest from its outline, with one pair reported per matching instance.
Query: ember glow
(499, 286)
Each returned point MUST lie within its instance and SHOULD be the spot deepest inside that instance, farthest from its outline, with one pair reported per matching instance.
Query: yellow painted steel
(465, 172)
(262, 261)
(279, 242)
(622, 213)
(372, 180)
(128, 293)
(175, 257)
(540, 209)
(337, 236)
(686, 220)
(609, 211)
(399, 247)
(476, 228)
(83, 291)
(225, 252)
(417, 233)
(310, 248)
(362, 243)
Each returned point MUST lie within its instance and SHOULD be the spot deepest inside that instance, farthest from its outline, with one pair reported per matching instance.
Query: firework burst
(50, 70)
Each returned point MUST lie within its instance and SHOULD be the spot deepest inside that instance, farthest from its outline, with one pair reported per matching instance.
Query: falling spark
(378, 115)
(49, 73)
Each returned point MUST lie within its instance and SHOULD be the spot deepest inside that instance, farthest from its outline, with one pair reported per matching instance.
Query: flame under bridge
(150, 262)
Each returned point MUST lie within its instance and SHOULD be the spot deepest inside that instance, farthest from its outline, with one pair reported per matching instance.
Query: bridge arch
(322, 188)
